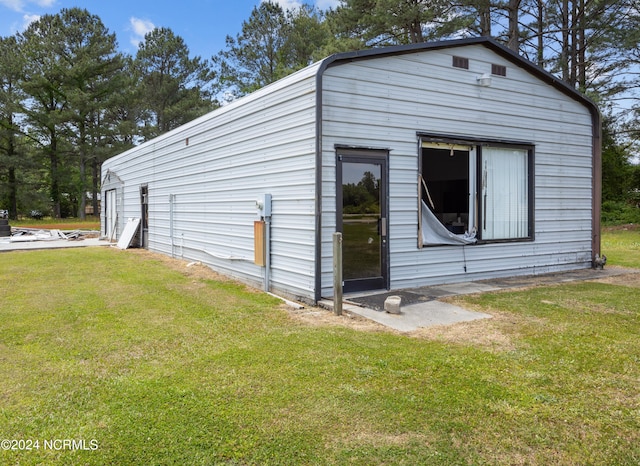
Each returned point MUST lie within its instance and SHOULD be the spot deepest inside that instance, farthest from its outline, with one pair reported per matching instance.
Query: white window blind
(505, 193)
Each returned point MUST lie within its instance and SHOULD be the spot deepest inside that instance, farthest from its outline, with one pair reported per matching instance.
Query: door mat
(376, 301)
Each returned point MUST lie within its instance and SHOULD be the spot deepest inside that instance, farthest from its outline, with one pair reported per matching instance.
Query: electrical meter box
(264, 206)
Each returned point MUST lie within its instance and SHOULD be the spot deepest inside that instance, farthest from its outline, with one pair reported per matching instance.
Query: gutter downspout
(172, 198)
(596, 194)
(267, 253)
(326, 63)
(318, 220)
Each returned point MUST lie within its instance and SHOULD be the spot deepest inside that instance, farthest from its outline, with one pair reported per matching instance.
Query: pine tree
(273, 43)
(308, 35)
(93, 74)
(174, 87)
(393, 22)
(11, 97)
(44, 83)
(255, 57)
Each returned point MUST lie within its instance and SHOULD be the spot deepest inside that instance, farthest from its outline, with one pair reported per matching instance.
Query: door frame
(370, 156)
(144, 216)
(111, 214)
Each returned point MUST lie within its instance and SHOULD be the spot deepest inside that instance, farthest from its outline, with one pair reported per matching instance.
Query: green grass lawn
(48, 223)
(621, 245)
(151, 364)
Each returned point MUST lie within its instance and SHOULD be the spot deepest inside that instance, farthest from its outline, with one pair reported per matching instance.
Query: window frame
(478, 144)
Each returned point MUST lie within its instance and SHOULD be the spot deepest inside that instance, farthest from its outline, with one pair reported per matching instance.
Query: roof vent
(460, 62)
(499, 70)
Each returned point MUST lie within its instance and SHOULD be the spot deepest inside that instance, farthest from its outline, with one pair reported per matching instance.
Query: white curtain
(434, 232)
(505, 193)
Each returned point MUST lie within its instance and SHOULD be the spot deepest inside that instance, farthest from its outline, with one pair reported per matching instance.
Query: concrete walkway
(421, 307)
(414, 316)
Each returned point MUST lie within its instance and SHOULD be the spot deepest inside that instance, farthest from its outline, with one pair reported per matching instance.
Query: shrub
(619, 213)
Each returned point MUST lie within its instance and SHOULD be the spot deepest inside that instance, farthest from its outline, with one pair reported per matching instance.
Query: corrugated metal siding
(361, 108)
(263, 143)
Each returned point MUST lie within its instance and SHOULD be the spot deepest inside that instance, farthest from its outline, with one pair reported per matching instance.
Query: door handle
(383, 226)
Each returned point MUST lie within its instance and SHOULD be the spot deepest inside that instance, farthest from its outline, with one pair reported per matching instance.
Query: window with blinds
(477, 190)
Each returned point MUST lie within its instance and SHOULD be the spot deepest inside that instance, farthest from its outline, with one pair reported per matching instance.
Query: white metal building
(439, 162)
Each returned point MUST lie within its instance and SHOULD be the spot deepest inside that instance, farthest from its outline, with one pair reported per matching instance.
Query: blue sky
(203, 24)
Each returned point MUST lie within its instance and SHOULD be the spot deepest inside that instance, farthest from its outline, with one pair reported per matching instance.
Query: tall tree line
(592, 45)
(69, 99)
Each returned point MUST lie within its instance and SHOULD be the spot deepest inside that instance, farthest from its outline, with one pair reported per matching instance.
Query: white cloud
(28, 19)
(19, 5)
(286, 4)
(15, 5)
(140, 28)
(295, 4)
(18, 26)
(326, 4)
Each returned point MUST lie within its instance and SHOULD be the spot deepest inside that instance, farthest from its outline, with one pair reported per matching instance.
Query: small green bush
(619, 213)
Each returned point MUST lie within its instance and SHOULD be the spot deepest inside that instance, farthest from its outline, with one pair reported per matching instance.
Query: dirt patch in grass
(195, 270)
(380, 439)
(627, 226)
(630, 279)
(308, 315)
(319, 317)
(495, 334)
(499, 332)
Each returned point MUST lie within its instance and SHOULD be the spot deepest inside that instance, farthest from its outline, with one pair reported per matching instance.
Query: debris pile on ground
(32, 234)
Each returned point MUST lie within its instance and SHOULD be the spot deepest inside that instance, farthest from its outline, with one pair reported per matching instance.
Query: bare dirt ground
(308, 315)
(630, 279)
(494, 334)
(628, 226)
